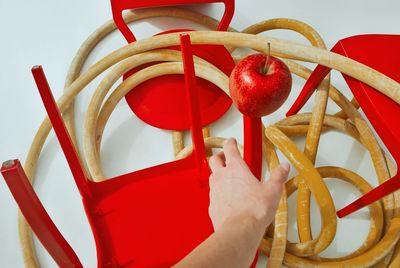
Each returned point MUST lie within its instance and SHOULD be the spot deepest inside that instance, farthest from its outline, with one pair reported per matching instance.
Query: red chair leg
(193, 104)
(36, 215)
(375, 194)
(60, 129)
(252, 144)
(311, 84)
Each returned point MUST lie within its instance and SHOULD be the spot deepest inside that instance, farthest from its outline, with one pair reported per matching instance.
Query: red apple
(258, 89)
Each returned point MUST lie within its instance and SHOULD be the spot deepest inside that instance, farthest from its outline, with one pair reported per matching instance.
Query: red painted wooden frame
(147, 218)
(120, 5)
(158, 101)
(36, 215)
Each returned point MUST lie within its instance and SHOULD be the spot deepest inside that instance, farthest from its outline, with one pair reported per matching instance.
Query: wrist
(256, 221)
(242, 235)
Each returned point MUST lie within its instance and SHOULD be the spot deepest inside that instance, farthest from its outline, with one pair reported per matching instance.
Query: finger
(280, 173)
(217, 161)
(274, 185)
(231, 151)
(222, 156)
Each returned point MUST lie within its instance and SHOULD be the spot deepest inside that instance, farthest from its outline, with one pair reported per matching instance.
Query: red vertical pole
(192, 100)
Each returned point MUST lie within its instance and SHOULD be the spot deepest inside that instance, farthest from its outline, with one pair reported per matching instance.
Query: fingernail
(286, 166)
(229, 140)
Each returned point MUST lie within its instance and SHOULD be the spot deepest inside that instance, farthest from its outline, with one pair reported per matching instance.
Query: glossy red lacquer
(159, 101)
(147, 218)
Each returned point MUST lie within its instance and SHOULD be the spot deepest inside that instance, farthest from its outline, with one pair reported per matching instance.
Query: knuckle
(213, 158)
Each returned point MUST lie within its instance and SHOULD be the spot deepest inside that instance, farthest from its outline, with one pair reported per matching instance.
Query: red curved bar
(120, 5)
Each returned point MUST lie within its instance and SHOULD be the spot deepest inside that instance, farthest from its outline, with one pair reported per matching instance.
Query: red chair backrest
(120, 5)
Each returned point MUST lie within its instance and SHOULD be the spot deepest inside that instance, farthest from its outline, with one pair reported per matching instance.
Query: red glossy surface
(158, 102)
(120, 5)
(310, 86)
(380, 52)
(252, 144)
(37, 217)
(152, 217)
(71, 155)
(148, 218)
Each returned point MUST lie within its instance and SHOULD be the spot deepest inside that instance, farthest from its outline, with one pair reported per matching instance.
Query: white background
(50, 32)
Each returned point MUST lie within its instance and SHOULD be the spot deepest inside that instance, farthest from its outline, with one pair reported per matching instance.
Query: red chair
(158, 101)
(148, 218)
(382, 112)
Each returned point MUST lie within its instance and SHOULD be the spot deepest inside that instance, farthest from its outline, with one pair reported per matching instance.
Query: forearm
(234, 244)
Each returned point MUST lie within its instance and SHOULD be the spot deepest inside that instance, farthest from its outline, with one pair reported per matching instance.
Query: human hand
(236, 193)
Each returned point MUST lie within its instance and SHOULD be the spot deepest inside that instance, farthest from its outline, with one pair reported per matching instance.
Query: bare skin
(241, 208)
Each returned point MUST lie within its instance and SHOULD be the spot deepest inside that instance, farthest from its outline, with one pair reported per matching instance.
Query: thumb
(280, 173)
(274, 185)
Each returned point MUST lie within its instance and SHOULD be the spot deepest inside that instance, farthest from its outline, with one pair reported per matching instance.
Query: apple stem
(266, 66)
